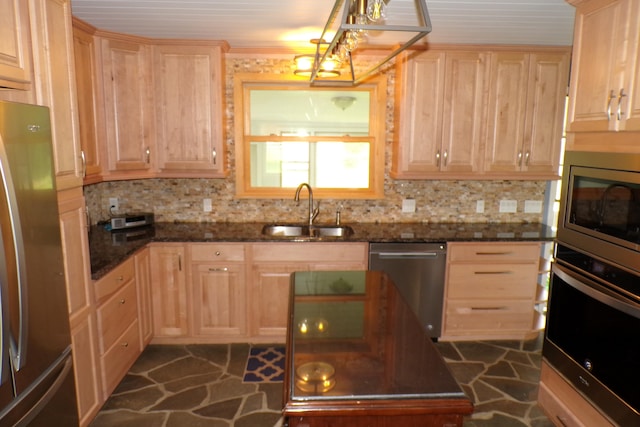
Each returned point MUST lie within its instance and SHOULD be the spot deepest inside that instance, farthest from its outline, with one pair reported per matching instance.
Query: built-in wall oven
(593, 327)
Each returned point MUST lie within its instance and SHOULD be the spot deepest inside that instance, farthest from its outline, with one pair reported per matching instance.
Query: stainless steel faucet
(313, 211)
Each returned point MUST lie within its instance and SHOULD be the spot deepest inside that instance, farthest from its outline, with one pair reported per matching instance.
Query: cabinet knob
(217, 253)
(125, 344)
(122, 301)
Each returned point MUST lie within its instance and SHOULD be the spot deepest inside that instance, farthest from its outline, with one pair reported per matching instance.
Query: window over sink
(287, 133)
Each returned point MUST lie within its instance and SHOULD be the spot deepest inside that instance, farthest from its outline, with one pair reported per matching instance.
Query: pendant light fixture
(364, 24)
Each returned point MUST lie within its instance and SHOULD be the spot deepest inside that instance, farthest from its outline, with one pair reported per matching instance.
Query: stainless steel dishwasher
(418, 271)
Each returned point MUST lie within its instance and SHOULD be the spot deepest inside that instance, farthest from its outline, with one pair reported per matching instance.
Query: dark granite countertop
(108, 249)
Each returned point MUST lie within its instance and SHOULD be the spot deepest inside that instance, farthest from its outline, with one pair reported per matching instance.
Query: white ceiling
(292, 23)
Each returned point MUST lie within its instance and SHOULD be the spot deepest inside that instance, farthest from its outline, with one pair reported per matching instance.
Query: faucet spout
(313, 211)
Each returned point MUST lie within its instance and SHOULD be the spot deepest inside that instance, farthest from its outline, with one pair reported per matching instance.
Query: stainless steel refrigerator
(36, 372)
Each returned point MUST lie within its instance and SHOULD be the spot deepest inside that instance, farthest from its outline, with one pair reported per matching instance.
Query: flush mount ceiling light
(343, 102)
(366, 23)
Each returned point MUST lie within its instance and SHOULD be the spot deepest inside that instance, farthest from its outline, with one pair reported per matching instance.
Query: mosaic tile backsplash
(436, 201)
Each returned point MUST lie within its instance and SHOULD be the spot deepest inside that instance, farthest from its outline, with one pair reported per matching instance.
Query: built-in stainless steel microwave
(600, 205)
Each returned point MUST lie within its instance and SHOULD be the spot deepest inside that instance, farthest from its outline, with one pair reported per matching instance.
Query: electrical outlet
(114, 206)
(206, 205)
(480, 206)
(508, 206)
(409, 205)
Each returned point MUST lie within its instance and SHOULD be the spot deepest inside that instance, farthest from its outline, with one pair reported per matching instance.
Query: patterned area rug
(264, 364)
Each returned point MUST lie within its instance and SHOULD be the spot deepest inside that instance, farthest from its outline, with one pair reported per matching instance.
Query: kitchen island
(357, 356)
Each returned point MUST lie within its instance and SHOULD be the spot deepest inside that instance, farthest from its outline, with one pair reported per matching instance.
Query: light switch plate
(480, 206)
(508, 206)
(532, 206)
(206, 205)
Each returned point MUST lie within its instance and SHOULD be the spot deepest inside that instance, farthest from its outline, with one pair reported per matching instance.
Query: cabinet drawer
(493, 252)
(116, 314)
(119, 358)
(114, 279)
(564, 405)
(471, 316)
(217, 252)
(492, 281)
(310, 252)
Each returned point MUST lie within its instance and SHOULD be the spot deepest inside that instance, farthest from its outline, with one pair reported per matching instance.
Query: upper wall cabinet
(188, 98)
(53, 63)
(128, 103)
(439, 114)
(525, 114)
(485, 114)
(89, 101)
(605, 77)
(15, 68)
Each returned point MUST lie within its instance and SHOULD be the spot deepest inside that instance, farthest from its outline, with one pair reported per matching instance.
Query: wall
(436, 201)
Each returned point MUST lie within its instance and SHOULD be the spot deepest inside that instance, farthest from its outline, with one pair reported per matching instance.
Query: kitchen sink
(314, 231)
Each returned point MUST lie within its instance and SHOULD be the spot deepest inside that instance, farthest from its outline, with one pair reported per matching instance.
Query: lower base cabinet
(490, 290)
(563, 405)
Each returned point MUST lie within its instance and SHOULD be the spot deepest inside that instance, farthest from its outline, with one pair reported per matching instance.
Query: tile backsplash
(436, 201)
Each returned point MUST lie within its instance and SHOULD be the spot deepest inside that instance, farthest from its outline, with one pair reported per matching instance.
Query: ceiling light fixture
(362, 22)
(343, 102)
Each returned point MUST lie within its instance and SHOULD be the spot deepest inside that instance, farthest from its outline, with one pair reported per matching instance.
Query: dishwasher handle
(397, 255)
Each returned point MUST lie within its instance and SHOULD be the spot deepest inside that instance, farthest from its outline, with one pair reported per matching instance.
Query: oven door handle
(596, 290)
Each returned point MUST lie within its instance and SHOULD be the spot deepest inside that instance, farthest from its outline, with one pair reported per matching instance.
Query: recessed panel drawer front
(119, 358)
(114, 279)
(217, 252)
(492, 281)
(116, 315)
(494, 252)
(479, 315)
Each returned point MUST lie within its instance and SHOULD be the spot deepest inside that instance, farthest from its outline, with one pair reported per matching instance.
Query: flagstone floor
(202, 385)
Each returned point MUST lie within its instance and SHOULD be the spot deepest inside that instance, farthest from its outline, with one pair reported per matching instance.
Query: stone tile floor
(201, 385)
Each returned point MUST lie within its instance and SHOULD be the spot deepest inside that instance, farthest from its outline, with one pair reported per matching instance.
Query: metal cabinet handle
(83, 159)
(148, 155)
(519, 158)
(619, 112)
(493, 272)
(494, 253)
(446, 157)
(526, 158)
(225, 269)
(438, 158)
(612, 95)
(214, 153)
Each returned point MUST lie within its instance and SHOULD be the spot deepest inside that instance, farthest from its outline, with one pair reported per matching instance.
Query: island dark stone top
(108, 249)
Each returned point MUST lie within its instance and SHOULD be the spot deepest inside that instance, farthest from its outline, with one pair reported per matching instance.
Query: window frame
(245, 82)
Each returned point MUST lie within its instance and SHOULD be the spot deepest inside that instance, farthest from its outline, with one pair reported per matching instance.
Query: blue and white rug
(265, 365)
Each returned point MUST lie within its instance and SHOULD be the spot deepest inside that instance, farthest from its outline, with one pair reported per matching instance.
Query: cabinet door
(84, 47)
(463, 112)
(419, 103)
(219, 299)
(544, 115)
(15, 67)
(128, 107)
(169, 291)
(52, 40)
(506, 111)
(600, 37)
(269, 299)
(189, 115)
(82, 316)
(143, 284)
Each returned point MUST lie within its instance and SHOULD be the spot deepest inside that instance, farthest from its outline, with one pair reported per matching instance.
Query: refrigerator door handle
(19, 343)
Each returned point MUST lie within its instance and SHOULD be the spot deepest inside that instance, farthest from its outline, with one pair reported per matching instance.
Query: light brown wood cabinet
(490, 290)
(490, 113)
(15, 62)
(604, 74)
(269, 284)
(189, 109)
(118, 330)
(129, 117)
(142, 264)
(563, 404)
(80, 297)
(439, 114)
(527, 95)
(90, 104)
(53, 63)
(218, 281)
(170, 294)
